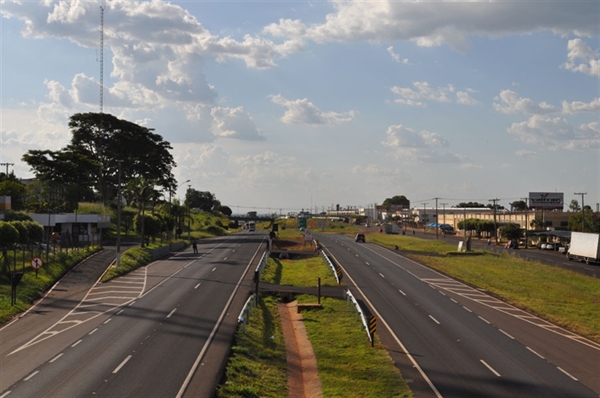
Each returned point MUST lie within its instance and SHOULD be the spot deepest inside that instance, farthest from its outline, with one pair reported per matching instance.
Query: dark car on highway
(360, 238)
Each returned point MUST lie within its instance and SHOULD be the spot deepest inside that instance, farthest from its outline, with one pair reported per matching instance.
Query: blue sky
(288, 105)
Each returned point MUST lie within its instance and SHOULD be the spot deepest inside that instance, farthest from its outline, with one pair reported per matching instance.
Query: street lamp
(118, 259)
(170, 202)
(189, 212)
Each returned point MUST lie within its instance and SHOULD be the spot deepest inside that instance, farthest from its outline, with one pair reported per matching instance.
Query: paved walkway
(303, 375)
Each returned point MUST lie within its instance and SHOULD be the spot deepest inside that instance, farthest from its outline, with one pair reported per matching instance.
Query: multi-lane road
(163, 330)
(452, 340)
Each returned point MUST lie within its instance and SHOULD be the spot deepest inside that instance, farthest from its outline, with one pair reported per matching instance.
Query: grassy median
(348, 365)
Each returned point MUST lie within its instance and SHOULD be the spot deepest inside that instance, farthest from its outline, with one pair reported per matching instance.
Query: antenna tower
(102, 57)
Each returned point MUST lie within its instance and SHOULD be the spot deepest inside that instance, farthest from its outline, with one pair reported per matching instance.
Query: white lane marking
(213, 270)
(130, 304)
(442, 293)
(233, 251)
(120, 312)
(172, 312)
(483, 319)
(5, 394)
(435, 320)
(56, 357)
(106, 321)
(225, 259)
(567, 373)
(93, 331)
(467, 309)
(197, 286)
(76, 343)
(380, 274)
(536, 353)
(31, 375)
(490, 368)
(404, 294)
(506, 334)
(122, 364)
(454, 300)
(356, 255)
(367, 263)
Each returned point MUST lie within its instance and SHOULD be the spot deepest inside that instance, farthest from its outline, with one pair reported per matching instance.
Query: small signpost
(36, 263)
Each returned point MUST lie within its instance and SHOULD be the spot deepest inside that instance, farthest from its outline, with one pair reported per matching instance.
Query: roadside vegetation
(33, 284)
(348, 365)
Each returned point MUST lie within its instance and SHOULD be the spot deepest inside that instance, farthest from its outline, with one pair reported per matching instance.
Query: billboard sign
(546, 200)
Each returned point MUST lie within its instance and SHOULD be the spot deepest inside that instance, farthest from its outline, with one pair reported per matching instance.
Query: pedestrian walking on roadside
(195, 247)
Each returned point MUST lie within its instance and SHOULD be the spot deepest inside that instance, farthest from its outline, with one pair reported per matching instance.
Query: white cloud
(422, 146)
(438, 23)
(526, 153)
(582, 59)
(424, 92)
(302, 111)
(554, 134)
(578, 106)
(235, 123)
(396, 57)
(510, 102)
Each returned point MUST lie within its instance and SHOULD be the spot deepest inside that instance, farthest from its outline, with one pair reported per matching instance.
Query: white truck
(584, 246)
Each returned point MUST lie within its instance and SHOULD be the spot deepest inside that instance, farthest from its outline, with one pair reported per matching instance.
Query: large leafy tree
(92, 158)
(203, 200)
(16, 191)
(398, 200)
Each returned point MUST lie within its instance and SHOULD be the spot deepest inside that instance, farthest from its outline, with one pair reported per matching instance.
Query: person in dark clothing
(195, 247)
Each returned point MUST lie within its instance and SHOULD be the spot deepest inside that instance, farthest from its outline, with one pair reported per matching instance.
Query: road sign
(308, 234)
(36, 263)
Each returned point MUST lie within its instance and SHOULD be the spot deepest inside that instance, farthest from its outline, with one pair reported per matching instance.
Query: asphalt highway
(162, 330)
(452, 340)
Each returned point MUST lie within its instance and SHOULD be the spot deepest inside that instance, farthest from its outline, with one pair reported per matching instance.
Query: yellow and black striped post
(339, 273)
(372, 329)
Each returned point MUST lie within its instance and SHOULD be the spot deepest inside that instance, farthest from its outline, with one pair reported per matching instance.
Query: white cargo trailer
(584, 246)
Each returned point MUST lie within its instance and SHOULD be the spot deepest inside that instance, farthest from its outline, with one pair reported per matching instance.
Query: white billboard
(546, 200)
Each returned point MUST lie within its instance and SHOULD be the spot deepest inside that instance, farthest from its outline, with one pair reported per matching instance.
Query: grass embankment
(348, 366)
(31, 286)
(566, 298)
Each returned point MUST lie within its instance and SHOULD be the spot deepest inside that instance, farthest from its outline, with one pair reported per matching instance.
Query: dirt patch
(303, 375)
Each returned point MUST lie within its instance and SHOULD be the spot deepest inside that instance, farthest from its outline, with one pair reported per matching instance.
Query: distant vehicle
(584, 247)
(251, 226)
(360, 238)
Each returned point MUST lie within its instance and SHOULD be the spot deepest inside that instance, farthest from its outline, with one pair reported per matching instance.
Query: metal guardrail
(350, 297)
(261, 264)
(332, 266)
(244, 316)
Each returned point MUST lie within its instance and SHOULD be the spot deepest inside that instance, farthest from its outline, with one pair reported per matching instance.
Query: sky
(289, 105)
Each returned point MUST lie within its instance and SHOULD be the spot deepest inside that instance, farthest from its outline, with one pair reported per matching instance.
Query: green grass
(348, 365)
(567, 298)
(257, 365)
(298, 272)
(31, 286)
(130, 260)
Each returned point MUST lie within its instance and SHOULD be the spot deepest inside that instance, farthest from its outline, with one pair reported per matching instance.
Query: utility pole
(444, 211)
(526, 222)
(495, 226)
(437, 224)
(7, 164)
(582, 210)
(424, 212)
